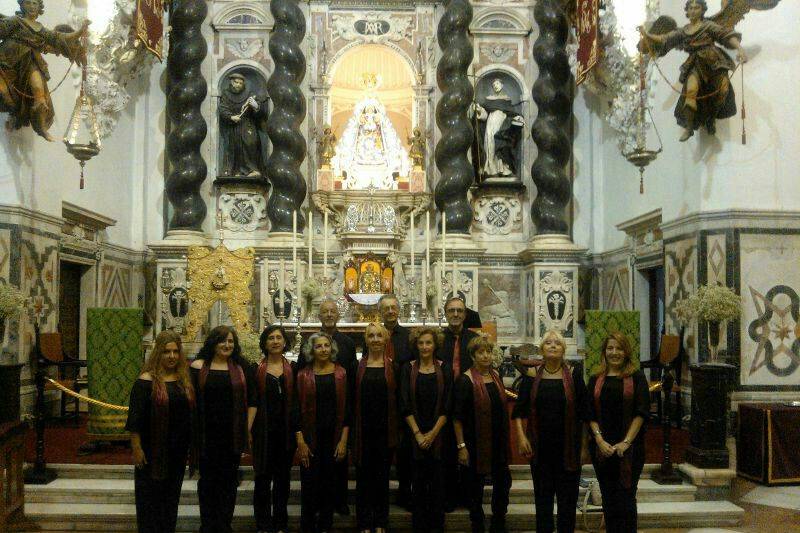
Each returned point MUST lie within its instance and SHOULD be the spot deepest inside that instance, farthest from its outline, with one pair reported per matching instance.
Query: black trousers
(550, 480)
(216, 490)
(318, 485)
(372, 487)
(403, 463)
(428, 506)
(157, 499)
(501, 485)
(456, 478)
(619, 503)
(271, 495)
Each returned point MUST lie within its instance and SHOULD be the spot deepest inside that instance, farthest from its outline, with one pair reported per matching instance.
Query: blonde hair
(555, 334)
(628, 367)
(153, 363)
(481, 342)
(379, 327)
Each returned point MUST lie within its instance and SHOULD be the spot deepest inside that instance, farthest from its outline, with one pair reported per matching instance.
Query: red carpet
(63, 440)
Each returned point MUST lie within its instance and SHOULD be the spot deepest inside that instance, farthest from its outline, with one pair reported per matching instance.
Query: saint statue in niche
(417, 149)
(707, 94)
(499, 130)
(23, 70)
(326, 146)
(242, 129)
(369, 142)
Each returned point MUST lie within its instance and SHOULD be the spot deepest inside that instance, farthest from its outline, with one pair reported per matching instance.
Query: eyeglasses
(455, 310)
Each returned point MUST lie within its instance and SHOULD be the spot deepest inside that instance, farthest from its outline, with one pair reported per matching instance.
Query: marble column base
(711, 483)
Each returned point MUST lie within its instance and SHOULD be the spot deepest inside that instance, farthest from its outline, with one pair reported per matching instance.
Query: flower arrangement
(311, 289)
(251, 351)
(710, 303)
(11, 301)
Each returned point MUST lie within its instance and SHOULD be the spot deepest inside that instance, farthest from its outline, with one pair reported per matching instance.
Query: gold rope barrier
(64, 389)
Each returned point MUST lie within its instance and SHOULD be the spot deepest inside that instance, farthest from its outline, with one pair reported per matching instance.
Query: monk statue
(499, 132)
(416, 151)
(707, 94)
(23, 71)
(243, 133)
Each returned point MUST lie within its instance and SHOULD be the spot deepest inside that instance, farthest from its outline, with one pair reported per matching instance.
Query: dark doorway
(69, 304)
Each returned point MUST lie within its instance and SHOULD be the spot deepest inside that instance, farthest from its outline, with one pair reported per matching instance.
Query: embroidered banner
(587, 17)
(149, 25)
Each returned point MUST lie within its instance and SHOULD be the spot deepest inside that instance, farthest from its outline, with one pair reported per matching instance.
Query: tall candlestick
(444, 236)
(294, 243)
(455, 278)
(325, 246)
(413, 257)
(427, 242)
(444, 263)
(282, 287)
(425, 286)
(310, 243)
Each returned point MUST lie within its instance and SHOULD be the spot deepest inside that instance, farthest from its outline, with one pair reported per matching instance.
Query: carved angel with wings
(707, 94)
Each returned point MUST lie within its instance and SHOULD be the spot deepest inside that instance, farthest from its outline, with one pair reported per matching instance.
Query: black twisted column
(187, 90)
(283, 124)
(456, 172)
(552, 93)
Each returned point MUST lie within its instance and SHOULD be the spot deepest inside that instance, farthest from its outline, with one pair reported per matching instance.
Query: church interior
(583, 166)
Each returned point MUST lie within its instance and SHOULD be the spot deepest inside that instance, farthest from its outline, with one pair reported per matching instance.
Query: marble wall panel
(501, 300)
(615, 280)
(116, 284)
(769, 267)
(680, 273)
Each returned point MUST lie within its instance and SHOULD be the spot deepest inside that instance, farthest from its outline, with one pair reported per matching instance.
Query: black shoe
(343, 510)
(498, 526)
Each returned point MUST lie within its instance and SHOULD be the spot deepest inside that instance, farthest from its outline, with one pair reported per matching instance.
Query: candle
(425, 286)
(310, 243)
(455, 278)
(427, 242)
(325, 247)
(444, 236)
(294, 242)
(282, 286)
(413, 261)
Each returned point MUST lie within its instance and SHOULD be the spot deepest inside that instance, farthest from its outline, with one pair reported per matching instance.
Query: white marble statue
(499, 131)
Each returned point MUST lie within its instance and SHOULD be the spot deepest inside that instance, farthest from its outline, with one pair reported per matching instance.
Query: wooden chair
(669, 357)
(68, 371)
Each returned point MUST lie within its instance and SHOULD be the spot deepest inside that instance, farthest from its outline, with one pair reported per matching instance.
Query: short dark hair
(458, 298)
(388, 296)
(262, 340)
(22, 9)
(701, 3)
(216, 336)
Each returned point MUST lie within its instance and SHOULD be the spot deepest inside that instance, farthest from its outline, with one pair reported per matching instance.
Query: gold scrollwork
(223, 275)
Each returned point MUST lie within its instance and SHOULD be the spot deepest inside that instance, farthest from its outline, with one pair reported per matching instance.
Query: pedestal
(551, 287)
(324, 179)
(9, 392)
(709, 416)
(416, 181)
(241, 214)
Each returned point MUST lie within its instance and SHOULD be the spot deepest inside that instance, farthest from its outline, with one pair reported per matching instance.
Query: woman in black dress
(480, 421)
(273, 443)
(159, 421)
(375, 430)
(220, 378)
(323, 423)
(619, 403)
(553, 404)
(425, 385)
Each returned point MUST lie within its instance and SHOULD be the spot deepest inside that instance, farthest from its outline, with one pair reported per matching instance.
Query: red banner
(149, 25)
(587, 20)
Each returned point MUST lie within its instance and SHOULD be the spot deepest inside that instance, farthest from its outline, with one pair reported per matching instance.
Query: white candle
(294, 242)
(425, 286)
(427, 242)
(310, 228)
(455, 278)
(444, 237)
(444, 263)
(325, 246)
(413, 257)
(282, 286)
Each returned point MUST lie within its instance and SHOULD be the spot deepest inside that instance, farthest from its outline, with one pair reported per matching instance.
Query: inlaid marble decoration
(39, 282)
(680, 273)
(770, 327)
(716, 257)
(616, 287)
(5, 254)
(530, 304)
(500, 301)
(115, 284)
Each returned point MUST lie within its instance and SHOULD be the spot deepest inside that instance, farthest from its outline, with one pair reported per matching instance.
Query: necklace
(554, 371)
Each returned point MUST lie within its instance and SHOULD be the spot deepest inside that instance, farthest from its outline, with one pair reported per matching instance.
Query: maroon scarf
(626, 468)
(239, 388)
(437, 365)
(307, 393)
(159, 428)
(570, 454)
(259, 444)
(391, 398)
(482, 404)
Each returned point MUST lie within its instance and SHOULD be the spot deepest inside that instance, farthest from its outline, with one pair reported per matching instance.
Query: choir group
(427, 400)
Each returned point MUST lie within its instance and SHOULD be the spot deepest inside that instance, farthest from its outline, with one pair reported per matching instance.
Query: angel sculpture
(707, 94)
(23, 70)
(326, 146)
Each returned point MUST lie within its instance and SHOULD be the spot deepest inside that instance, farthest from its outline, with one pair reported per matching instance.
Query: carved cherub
(23, 70)
(707, 94)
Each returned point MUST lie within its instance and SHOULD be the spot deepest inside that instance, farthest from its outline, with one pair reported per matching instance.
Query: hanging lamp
(641, 156)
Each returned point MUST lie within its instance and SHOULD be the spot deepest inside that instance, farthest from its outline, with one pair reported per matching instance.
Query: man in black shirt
(389, 308)
(454, 353)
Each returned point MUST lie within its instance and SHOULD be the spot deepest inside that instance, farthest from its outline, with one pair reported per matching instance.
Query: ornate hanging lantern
(83, 143)
(641, 156)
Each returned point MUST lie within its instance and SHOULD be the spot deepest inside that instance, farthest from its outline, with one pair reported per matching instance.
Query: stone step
(116, 491)
(87, 517)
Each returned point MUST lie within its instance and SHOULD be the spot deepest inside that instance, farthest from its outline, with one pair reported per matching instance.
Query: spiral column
(187, 90)
(552, 93)
(289, 109)
(456, 172)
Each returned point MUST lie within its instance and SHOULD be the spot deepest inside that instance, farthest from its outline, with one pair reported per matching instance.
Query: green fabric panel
(113, 360)
(599, 324)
